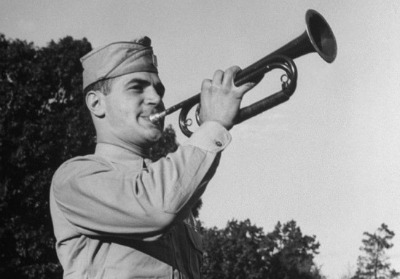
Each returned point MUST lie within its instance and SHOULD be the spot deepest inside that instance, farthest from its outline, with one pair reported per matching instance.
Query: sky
(328, 158)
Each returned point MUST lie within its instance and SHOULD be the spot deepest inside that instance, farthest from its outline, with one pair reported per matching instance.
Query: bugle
(318, 37)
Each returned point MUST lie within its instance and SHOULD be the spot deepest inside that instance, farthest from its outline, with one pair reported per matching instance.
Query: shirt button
(218, 143)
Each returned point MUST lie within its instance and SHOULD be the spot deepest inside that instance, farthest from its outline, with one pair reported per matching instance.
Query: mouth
(146, 117)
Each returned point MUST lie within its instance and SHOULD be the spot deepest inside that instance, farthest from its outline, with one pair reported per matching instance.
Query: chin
(154, 136)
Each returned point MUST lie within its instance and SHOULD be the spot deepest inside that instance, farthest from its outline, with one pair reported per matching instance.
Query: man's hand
(220, 98)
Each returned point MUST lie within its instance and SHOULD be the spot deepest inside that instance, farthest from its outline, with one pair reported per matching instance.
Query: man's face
(132, 99)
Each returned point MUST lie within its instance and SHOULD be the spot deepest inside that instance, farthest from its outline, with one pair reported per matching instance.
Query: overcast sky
(328, 158)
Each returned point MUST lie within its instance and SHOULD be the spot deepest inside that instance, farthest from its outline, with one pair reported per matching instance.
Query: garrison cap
(117, 59)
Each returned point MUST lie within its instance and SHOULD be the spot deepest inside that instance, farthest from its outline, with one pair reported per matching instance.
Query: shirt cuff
(210, 136)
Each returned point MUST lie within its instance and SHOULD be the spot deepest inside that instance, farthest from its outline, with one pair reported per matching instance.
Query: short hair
(103, 86)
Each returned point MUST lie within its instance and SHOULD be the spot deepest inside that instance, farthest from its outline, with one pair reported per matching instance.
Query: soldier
(116, 214)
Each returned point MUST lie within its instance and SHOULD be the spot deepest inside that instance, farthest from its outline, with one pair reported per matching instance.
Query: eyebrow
(137, 80)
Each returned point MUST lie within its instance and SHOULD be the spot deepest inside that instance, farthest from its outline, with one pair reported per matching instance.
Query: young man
(116, 214)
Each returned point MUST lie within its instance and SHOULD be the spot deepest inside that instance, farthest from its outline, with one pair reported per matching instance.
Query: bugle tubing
(318, 37)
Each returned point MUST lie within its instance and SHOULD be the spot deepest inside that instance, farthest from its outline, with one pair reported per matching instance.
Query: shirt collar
(119, 155)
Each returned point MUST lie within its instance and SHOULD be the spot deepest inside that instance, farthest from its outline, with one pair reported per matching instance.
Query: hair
(102, 85)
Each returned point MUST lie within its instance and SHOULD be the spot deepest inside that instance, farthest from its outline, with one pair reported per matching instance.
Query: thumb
(243, 89)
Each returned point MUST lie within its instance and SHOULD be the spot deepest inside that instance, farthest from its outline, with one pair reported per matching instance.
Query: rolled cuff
(210, 136)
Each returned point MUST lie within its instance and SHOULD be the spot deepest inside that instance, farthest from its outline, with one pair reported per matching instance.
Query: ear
(96, 103)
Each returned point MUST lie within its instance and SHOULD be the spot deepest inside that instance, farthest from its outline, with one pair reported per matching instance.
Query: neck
(105, 137)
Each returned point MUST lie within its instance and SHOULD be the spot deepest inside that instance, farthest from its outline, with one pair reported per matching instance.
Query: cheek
(121, 113)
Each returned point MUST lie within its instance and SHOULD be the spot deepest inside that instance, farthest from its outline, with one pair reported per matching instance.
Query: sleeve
(97, 199)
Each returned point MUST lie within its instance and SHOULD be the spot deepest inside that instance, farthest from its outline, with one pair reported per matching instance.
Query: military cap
(117, 59)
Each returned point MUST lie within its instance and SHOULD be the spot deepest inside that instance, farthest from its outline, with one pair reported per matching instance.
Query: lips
(146, 117)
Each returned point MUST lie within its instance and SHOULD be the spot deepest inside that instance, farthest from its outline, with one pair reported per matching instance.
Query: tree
(290, 254)
(165, 145)
(233, 251)
(242, 250)
(41, 125)
(374, 261)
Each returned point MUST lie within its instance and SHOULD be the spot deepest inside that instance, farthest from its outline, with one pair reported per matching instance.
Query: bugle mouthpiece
(154, 118)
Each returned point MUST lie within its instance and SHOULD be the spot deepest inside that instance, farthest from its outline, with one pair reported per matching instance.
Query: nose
(152, 96)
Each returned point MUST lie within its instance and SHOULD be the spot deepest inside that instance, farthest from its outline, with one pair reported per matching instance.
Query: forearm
(183, 172)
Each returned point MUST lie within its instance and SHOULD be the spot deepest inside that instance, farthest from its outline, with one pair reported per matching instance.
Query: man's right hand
(221, 99)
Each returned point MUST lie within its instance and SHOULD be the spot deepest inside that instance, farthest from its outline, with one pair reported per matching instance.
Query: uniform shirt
(117, 215)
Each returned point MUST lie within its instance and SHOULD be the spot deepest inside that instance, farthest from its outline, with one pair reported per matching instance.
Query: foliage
(374, 261)
(165, 145)
(242, 250)
(41, 125)
(290, 253)
(233, 252)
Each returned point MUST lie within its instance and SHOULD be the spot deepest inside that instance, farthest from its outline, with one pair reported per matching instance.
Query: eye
(136, 88)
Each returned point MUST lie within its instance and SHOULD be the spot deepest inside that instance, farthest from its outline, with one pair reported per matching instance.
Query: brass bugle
(318, 38)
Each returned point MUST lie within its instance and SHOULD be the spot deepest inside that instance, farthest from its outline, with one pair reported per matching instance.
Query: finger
(230, 73)
(205, 85)
(218, 77)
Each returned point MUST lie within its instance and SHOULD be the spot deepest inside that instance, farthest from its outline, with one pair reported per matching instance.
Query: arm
(100, 200)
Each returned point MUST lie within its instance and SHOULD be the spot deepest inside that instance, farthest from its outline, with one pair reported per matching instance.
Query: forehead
(138, 77)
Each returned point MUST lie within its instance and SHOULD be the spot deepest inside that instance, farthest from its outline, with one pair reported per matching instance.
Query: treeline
(43, 122)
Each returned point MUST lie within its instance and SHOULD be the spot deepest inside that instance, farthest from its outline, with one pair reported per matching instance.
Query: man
(115, 213)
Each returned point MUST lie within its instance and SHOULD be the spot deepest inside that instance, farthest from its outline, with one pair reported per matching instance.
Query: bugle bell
(318, 37)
